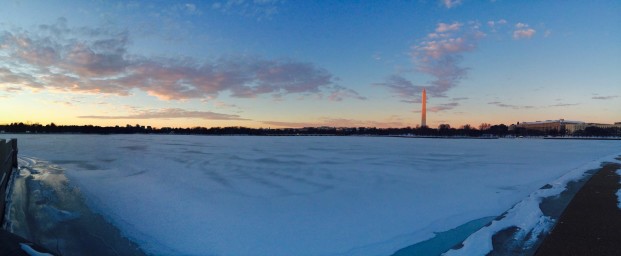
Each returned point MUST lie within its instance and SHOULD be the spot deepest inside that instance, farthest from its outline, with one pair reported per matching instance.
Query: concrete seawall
(11, 244)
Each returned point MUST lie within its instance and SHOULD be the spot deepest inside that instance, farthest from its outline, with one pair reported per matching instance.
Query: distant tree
(597, 131)
(444, 130)
(484, 126)
(444, 126)
(499, 130)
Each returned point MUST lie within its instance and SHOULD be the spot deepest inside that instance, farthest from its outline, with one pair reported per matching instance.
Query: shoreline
(591, 223)
(522, 229)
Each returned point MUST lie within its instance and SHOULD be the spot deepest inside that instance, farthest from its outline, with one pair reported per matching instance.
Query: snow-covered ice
(199, 195)
(525, 215)
(32, 252)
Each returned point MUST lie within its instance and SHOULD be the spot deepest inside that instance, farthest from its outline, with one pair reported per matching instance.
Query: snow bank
(195, 195)
(525, 215)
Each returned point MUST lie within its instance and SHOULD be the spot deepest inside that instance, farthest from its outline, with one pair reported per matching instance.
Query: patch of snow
(525, 215)
(197, 195)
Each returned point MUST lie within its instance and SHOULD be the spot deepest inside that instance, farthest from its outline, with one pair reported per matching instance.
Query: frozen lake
(200, 195)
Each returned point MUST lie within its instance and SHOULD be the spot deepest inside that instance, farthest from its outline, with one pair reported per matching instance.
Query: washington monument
(423, 121)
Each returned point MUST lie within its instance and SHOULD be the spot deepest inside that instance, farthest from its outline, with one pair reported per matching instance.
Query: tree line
(443, 130)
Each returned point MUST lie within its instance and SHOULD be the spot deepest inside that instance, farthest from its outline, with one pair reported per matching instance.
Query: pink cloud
(97, 61)
(438, 55)
(444, 27)
(12, 79)
(523, 31)
(443, 107)
(440, 48)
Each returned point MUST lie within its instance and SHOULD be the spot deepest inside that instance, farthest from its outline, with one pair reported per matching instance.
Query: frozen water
(45, 208)
(32, 252)
(197, 195)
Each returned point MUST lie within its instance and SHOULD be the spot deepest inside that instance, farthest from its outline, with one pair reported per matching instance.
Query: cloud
(221, 104)
(503, 105)
(443, 107)
(11, 89)
(460, 98)
(523, 31)
(403, 88)
(13, 80)
(610, 97)
(339, 93)
(438, 55)
(260, 9)
(339, 122)
(62, 102)
(189, 9)
(450, 3)
(171, 113)
(89, 60)
(493, 25)
(444, 27)
(565, 104)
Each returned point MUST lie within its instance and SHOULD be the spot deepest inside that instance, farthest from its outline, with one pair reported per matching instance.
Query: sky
(284, 63)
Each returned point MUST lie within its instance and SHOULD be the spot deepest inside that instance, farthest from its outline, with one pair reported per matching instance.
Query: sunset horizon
(310, 128)
(283, 64)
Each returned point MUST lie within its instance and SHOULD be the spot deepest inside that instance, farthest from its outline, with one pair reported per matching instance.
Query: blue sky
(266, 63)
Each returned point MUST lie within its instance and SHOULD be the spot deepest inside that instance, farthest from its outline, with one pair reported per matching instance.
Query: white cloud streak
(610, 97)
(503, 105)
(450, 3)
(170, 113)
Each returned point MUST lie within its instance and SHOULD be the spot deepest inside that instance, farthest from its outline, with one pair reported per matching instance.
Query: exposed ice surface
(200, 195)
(32, 252)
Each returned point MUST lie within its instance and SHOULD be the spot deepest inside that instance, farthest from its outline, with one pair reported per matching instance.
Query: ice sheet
(525, 215)
(198, 195)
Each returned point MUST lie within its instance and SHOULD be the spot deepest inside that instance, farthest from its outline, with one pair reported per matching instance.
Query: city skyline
(279, 63)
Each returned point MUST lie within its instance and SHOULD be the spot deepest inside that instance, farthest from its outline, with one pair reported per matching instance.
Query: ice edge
(526, 215)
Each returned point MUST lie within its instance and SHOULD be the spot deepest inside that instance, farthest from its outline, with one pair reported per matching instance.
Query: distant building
(577, 127)
(548, 125)
(562, 125)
